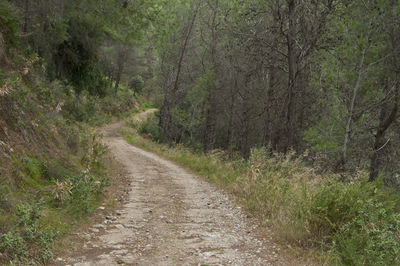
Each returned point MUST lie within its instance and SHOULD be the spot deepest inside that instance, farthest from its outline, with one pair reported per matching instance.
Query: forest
(315, 76)
(284, 86)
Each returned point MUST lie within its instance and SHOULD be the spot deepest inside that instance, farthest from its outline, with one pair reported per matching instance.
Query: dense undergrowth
(352, 223)
(54, 92)
(45, 201)
(53, 166)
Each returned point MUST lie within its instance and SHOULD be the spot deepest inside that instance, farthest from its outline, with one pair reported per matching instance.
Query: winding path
(171, 217)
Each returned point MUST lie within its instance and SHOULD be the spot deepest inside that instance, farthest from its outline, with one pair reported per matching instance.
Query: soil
(169, 217)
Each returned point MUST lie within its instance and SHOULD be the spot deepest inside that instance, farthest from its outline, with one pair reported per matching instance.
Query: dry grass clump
(62, 190)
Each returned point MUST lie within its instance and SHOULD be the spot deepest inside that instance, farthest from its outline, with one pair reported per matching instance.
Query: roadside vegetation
(343, 223)
(59, 81)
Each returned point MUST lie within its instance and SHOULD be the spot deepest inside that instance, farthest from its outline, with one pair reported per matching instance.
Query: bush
(358, 222)
(27, 239)
(150, 128)
(84, 192)
(372, 237)
(30, 171)
(97, 111)
(79, 107)
(136, 84)
(334, 205)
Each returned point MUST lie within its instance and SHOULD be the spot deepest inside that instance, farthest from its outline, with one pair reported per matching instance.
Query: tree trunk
(267, 137)
(379, 144)
(245, 130)
(341, 164)
(170, 97)
(292, 65)
(211, 117)
(121, 63)
(231, 128)
(182, 54)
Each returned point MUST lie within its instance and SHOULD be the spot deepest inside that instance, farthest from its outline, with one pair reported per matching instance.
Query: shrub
(30, 171)
(27, 239)
(334, 205)
(372, 237)
(150, 128)
(136, 84)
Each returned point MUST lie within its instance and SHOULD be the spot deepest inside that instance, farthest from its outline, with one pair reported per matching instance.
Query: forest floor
(169, 216)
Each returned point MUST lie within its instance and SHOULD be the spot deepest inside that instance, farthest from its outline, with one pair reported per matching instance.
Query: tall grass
(354, 223)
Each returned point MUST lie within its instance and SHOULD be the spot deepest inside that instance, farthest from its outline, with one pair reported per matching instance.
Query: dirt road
(171, 217)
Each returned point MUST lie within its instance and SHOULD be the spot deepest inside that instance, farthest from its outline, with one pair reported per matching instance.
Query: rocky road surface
(171, 217)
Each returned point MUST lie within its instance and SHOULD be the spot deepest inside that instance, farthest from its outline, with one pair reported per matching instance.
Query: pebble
(99, 226)
(85, 236)
(119, 226)
(94, 230)
(119, 252)
(102, 208)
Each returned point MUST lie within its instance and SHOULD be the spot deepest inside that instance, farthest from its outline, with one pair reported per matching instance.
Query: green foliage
(27, 239)
(336, 204)
(79, 108)
(371, 237)
(147, 105)
(136, 84)
(50, 195)
(9, 25)
(77, 57)
(150, 128)
(85, 190)
(95, 110)
(30, 171)
(189, 118)
(356, 68)
(50, 79)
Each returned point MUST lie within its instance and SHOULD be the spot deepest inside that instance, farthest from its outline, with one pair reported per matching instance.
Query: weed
(62, 191)
(27, 238)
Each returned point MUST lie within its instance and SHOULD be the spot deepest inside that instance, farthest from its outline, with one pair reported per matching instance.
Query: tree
(170, 96)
